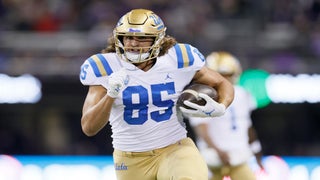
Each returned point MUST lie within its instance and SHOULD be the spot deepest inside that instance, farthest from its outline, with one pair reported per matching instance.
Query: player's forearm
(226, 93)
(224, 88)
(210, 143)
(95, 118)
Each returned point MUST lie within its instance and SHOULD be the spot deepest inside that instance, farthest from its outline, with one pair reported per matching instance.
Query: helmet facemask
(139, 23)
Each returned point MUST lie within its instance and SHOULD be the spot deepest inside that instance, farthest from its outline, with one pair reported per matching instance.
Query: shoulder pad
(187, 55)
(94, 69)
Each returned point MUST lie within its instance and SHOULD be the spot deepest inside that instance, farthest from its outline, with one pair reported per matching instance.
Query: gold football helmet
(225, 64)
(139, 22)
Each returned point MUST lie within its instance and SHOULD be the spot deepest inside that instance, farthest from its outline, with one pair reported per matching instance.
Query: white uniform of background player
(230, 131)
(228, 134)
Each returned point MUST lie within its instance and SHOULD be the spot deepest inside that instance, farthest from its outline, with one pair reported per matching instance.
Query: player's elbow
(87, 129)
(88, 132)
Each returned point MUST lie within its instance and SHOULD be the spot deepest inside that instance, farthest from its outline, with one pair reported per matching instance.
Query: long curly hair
(166, 44)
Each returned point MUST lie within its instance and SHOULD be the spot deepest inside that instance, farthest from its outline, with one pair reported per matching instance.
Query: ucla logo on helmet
(157, 21)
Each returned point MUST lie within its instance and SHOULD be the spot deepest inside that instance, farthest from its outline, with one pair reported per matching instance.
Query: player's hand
(117, 82)
(210, 109)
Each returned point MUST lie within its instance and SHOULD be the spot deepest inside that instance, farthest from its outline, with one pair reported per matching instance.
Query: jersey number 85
(137, 113)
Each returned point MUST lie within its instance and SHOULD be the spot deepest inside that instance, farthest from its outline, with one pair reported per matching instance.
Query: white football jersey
(144, 115)
(230, 131)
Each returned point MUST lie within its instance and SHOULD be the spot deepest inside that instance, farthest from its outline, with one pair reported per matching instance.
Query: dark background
(51, 39)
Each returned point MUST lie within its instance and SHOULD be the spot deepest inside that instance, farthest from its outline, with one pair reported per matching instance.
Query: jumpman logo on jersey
(168, 77)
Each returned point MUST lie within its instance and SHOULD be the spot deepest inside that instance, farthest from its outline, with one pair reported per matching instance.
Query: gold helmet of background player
(224, 63)
(139, 22)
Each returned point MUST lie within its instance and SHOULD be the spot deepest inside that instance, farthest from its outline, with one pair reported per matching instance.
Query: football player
(228, 142)
(134, 84)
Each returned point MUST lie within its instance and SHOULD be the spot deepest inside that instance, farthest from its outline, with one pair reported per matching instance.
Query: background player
(134, 85)
(227, 142)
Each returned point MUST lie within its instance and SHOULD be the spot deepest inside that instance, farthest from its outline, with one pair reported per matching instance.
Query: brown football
(191, 91)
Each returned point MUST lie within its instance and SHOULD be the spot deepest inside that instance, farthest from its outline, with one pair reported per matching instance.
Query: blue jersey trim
(179, 55)
(105, 64)
(100, 65)
(184, 55)
(94, 67)
(190, 56)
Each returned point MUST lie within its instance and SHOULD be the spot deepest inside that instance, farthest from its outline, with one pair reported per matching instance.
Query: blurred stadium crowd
(51, 38)
(280, 35)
